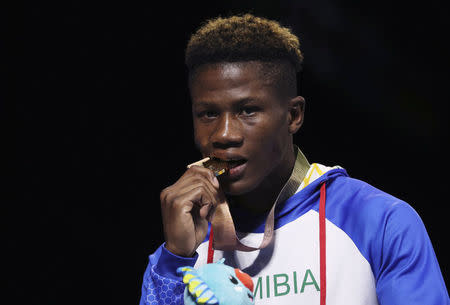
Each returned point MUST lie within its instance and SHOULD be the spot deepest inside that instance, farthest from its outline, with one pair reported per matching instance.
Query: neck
(261, 199)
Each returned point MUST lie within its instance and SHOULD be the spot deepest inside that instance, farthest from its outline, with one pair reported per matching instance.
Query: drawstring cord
(322, 245)
(210, 247)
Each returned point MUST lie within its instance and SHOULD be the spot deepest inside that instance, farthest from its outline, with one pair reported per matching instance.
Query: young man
(306, 233)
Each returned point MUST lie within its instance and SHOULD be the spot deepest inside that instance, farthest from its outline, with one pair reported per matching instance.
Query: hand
(186, 207)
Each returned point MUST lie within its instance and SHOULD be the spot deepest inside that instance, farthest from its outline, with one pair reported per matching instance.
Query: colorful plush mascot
(216, 283)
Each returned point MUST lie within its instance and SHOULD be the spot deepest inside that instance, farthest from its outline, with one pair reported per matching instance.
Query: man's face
(238, 117)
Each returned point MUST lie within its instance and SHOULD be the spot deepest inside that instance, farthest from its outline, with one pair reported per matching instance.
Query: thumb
(205, 210)
(221, 199)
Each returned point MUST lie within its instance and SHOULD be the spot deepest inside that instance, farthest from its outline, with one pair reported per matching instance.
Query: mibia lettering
(277, 285)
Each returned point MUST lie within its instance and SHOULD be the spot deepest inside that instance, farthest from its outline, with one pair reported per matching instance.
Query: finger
(194, 186)
(211, 212)
(192, 182)
(199, 196)
(205, 172)
(182, 185)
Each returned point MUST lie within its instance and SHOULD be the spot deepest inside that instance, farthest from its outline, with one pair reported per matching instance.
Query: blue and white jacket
(377, 251)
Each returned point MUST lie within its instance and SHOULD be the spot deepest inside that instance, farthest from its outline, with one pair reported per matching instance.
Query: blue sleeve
(408, 271)
(161, 285)
(392, 237)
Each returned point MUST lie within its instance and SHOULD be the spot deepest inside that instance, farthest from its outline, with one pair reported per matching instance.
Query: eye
(207, 114)
(249, 110)
(233, 279)
(210, 114)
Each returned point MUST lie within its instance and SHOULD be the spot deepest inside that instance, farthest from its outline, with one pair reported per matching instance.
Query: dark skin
(238, 114)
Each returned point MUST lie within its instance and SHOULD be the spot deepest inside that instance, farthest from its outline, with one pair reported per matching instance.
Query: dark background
(97, 91)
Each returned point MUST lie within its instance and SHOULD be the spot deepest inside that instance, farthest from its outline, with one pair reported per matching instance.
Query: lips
(235, 163)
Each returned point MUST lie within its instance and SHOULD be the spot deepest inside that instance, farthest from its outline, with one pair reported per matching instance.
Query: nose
(227, 133)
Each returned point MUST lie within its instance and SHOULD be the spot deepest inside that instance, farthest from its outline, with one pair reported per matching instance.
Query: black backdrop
(101, 124)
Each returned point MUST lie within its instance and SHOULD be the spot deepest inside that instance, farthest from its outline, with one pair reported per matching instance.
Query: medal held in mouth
(219, 167)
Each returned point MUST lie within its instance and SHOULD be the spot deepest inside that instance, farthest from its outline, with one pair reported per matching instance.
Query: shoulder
(376, 221)
(392, 237)
(361, 200)
(352, 203)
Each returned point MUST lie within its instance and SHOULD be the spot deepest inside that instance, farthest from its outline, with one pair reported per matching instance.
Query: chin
(237, 188)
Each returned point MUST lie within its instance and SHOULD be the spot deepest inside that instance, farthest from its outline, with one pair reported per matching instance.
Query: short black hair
(242, 38)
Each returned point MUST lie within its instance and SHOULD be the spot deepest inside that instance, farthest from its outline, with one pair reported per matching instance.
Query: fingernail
(215, 182)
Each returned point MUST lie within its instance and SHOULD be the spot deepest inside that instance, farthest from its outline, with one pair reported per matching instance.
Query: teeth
(227, 160)
(235, 163)
(228, 163)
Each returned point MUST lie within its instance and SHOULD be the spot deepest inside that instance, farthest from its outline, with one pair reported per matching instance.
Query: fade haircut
(238, 39)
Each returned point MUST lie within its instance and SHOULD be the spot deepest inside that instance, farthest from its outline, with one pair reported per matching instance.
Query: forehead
(233, 79)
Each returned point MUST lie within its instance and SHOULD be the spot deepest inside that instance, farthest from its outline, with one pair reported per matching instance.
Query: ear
(296, 108)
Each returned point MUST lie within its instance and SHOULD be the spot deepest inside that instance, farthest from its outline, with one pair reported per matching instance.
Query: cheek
(270, 136)
(270, 144)
(200, 137)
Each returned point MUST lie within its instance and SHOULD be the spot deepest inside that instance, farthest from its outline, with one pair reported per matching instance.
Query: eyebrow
(203, 103)
(246, 100)
(238, 103)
